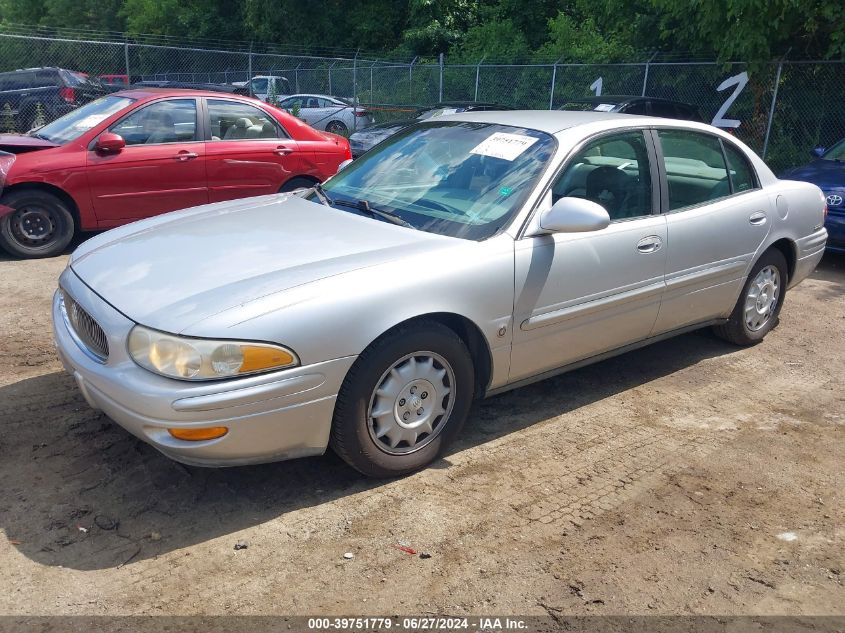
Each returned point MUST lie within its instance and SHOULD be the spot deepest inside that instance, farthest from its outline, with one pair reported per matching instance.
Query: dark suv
(648, 106)
(56, 90)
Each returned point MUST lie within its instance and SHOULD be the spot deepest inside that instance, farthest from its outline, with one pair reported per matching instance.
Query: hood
(175, 270)
(823, 173)
(20, 143)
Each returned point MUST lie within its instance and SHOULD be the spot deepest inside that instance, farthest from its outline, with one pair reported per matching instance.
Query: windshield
(462, 179)
(837, 152)
(76, 123)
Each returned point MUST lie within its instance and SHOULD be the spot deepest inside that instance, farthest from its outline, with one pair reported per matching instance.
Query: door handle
(758, 219)
(650, 244)
(183, 156)
(283, 151)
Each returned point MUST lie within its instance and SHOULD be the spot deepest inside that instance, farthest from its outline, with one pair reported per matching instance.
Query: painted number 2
(739, 81)
(596, 86)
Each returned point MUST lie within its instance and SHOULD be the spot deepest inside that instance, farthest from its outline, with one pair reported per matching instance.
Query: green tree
(753, 30)
(7, 120)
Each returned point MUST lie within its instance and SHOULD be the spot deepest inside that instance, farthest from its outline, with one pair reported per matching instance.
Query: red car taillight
(68, 94)
(361, 113)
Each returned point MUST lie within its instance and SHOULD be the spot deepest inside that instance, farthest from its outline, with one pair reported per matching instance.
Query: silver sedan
(465, 256)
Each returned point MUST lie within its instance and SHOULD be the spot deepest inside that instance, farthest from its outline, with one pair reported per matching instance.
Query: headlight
(203, 359)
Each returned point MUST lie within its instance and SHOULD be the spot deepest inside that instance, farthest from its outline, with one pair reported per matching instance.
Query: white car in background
(331, 114)
(259, 86)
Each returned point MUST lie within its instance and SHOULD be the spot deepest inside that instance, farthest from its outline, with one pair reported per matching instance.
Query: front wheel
(336, 127)
(758, 307)
(40, 225)
(403, 400)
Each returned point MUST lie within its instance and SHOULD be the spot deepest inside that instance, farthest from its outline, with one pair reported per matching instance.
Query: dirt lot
(688, 477)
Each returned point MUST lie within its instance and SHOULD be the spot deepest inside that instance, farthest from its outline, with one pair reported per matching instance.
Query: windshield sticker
(503, 145)
(505, 191)
(604, 107)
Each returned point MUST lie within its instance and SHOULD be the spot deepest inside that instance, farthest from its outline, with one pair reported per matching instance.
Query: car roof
(620, 99)
(143, 92)
(308, 94)
(549, 121)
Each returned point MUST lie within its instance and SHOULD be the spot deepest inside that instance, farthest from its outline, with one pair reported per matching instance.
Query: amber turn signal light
(196, 435)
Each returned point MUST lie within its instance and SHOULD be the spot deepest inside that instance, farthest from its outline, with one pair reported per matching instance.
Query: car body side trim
(155, 192)
(600, 357)
(723, 271)
(591, 307)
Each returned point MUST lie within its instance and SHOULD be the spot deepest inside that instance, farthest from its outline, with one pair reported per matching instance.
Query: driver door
(162, 167)
(582, 294)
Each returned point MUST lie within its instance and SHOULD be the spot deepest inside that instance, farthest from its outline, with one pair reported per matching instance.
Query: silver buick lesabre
(462, 257)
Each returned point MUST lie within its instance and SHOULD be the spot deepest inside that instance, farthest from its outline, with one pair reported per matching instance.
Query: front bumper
(270, 417)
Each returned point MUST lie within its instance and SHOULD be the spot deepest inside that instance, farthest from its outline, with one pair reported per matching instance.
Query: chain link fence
(781, 109)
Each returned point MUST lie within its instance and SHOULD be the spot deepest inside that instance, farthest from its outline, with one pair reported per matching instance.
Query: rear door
(717, 218)
(248, 151)
(162, 168)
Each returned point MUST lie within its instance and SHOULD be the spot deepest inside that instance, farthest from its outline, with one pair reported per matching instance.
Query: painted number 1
(596, 86)
(739, 81)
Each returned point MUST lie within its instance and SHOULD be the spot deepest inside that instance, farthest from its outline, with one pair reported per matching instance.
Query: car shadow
(76, 241)
(82, 493)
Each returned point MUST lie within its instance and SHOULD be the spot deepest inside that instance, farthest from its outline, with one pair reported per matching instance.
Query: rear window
(695, 168)
(741, 172)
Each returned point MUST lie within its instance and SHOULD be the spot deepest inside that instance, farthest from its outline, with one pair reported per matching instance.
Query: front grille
(87, 330)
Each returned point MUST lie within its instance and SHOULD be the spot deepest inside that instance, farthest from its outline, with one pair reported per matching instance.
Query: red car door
(248, 152)
(162, 168)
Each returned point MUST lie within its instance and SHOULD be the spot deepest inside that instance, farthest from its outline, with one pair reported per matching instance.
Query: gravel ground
(690, 477)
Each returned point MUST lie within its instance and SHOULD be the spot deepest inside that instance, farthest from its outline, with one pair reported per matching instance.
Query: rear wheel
(296, 183)
(41, 225)
(336, 127)
(403, 400)
(758, 307)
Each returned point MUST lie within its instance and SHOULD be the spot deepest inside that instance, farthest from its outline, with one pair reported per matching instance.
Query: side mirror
(109, 143)
(344, 164)
(818, 152)
(573, 215)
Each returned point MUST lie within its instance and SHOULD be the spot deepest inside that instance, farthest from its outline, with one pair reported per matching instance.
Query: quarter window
(234, 121)
(695, 168)
(612, 171)
(171, 121)
(741, 172)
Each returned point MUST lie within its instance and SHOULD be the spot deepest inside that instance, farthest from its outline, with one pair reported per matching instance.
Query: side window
(612, 171)
(259, 86)
(45, 78)
(234, 121)
(741, 172)
(667, 110)
(171, 121)
(695, 168)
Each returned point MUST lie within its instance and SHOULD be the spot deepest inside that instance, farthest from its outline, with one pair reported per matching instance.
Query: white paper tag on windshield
(604, 107)
(503, 145)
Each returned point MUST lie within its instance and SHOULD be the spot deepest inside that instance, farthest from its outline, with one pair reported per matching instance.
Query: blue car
(827, 171)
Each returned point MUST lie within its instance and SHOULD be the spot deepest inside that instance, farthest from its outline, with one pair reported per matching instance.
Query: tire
(400, 374)
(296, 183)
(758, 307)
(336, 127)
(41, 225)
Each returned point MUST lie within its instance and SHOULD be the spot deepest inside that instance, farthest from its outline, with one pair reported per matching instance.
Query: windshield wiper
(364, 205)
(322, 196)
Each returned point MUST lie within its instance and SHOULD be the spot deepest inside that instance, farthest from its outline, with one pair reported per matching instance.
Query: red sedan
(138, 153)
